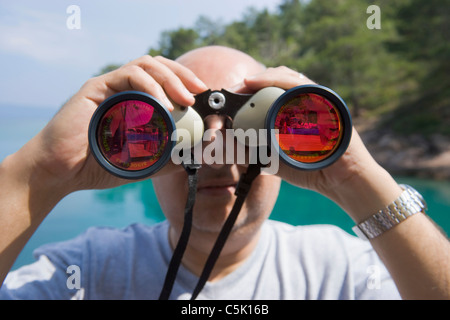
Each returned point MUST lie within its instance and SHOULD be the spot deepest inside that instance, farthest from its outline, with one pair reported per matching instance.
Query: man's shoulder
(106, 239)
(317, 240)
(321, 231)
(334, 262)
(108, 260)
(130, 232)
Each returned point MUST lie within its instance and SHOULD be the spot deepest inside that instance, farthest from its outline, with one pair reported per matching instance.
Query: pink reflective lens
(309, 128)
(132, 135)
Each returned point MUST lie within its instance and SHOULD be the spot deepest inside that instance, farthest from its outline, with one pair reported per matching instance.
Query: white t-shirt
(289, 262)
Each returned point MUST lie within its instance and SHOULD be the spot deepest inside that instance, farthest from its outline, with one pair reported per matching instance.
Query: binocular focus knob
(216, 100)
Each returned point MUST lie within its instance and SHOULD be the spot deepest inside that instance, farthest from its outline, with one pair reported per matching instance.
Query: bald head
(220, 67)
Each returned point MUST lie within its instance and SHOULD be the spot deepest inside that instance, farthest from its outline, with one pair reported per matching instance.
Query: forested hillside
(395, 78)
(401, 71)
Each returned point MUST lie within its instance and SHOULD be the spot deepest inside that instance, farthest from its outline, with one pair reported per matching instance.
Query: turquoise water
(137, 202)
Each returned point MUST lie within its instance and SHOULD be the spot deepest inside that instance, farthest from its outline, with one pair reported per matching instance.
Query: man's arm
(57, 161)
(26, 198)
(415, 251)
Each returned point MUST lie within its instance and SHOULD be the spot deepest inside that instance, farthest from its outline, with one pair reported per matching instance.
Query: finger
(132, 77)
(241, 87)
(189, 79)
(168, 80)
(281, 77)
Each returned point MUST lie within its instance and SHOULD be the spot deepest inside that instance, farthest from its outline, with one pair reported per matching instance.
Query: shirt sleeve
(340, 266)
(372, 280)
(56, 274)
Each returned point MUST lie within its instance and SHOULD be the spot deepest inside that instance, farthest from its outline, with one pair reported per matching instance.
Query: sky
(43, 62)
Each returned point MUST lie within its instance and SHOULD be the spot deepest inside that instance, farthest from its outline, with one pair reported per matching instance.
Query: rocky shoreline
(414, 155)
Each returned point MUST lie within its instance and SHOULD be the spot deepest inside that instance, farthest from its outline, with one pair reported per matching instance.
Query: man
(260, 260)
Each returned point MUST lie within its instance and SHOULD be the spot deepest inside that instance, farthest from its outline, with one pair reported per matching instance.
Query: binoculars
(132, 135)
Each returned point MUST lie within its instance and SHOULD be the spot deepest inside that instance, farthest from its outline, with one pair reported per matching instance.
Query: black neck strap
(241, 192)
(192, 171)
(242, 189)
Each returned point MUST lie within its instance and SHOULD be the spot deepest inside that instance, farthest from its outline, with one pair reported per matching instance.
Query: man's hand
(415, 252)
(344, 176)
(61, 149)
(57, 161)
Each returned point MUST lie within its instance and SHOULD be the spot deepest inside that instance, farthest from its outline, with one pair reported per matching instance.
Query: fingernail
(167, 103)
(200, 83)
(188, 94)
(237, 87)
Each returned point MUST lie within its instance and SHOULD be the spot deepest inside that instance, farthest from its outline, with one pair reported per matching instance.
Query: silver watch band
(407, 204)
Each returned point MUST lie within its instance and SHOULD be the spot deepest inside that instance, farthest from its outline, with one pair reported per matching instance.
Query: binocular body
(132, 135)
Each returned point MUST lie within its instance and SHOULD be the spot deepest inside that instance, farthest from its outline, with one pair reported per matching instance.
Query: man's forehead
(220, 67)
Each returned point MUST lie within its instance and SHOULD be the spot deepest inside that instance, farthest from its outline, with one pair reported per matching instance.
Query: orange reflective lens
(309, 128)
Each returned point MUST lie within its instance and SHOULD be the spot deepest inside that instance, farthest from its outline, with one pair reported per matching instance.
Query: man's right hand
(61, 150)
(57, 161)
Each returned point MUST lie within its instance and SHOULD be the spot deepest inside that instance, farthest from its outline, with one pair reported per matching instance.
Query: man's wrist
(366, 193)
(409, 203)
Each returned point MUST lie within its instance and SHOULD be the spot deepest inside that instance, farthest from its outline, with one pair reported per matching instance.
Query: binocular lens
(309, 128)
(130, 135)
(313, 127)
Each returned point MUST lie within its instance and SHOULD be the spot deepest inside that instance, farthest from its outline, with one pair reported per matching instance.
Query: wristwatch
(407, 204)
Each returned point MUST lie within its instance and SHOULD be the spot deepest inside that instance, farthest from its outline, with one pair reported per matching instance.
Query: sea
(136, 203)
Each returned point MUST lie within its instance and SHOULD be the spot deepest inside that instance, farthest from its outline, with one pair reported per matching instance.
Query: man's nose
(215, 129)
(215, 122)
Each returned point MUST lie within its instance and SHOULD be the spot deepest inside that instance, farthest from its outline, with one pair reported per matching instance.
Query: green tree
(108, 68)
(401, 70)
(175, 43)
(424, 40)
(339, 51)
